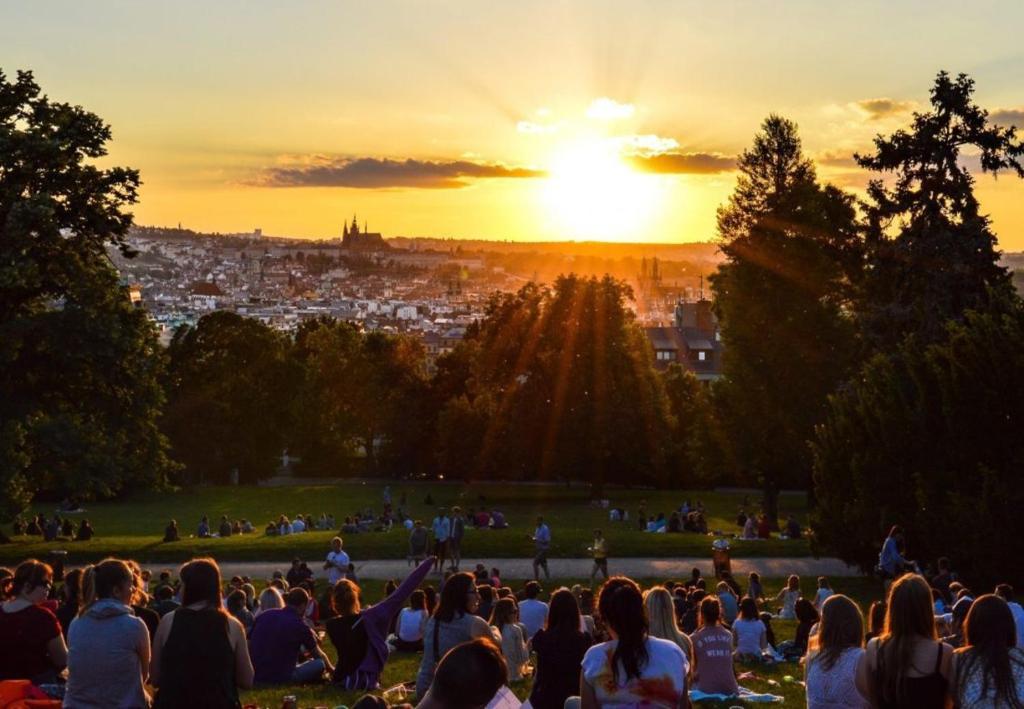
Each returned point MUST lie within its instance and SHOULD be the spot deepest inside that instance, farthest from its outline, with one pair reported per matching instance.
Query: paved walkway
(567, 568)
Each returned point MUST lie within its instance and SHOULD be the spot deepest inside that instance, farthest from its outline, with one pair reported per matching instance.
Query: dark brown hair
(621, 606)
(30, 575)
(842, 627)
(989, 635)
(200, 580)
(108, 575)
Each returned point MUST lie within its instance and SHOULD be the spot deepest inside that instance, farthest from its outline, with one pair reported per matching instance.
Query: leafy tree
(791, 246)
(931, 252)
(929, 438)
(79, 366)
(572, 390)
(699, 450)
(229, 386)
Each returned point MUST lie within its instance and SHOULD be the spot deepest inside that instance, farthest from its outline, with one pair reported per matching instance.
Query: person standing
(455, 540)
(542, 541)
(419, 540)
(337, 562)
(442, 528)
(599, 549)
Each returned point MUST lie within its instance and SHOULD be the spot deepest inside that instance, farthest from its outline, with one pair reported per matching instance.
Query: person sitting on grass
(712, 652)
(831, 671)
(560, 647)
(467, 677)
(989, 669)
(203, 531)
(633, 668)
(278, 639)
(360, 635)
(788, 596)
(33, 646)
(224, 530)
(67, 529)
(823, 592)
(236, 606)
(498, 520)
(730, 604)
(270, 599)
(750, 634)
(793, 530)
(171, 532)
(533, 612)
(200, 657)
(661, 617)
(163, 600)
(411, 623)
(807, 617)
(271, 529)
(85, 531)
(504, 619)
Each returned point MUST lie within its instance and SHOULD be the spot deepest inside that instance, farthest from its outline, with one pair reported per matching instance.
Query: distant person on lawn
(442, 528)
(204, 528)
(225, 527)
(542, 541)
(171, 532)
(455, 540)
(599, 548)
(278, 638)
(337, 562)
(85, 531)
(533, 612)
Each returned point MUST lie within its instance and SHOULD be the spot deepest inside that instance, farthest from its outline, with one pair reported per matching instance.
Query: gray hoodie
(105, 646)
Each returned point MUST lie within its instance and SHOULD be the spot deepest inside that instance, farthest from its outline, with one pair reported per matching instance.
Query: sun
(591, 193)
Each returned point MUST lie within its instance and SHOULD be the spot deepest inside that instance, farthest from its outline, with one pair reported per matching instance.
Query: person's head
(336, 544)
(113, 579)
(163, 593)
(793, 583)
(458, 597)
(540, 520)
(418, 600)
(296, 562)
(270, 599)
(587, 601)
(505, 611)
(805, 612)
(200, 579)
(695, 573)
(495, 572)
(297, 599)
(896, 532)
(909, 617)
(468, 676)
(748, 608)
(755, 577)
(32, 581)
(989, 635)
(345, 598)
(235, 602)
(531, 590)
(73, 588)
(876, 618)
(661, 614)
(1005, 591)
(486, 592)
(842, 627)
(621, 606)
(598, 534)
(710, 611)
(823, 583)
(563, 612)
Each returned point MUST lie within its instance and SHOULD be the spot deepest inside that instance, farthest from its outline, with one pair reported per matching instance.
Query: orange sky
(498, 120)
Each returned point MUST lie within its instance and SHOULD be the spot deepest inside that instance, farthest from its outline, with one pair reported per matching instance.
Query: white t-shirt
(661, 682)
(339, 568)
(410, 624)
(748, 635)
(533, 614)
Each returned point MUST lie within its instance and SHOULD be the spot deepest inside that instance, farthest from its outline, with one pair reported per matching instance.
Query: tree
(931, 253)
(791, 246)
(929, 438)
(79, 366)
(571, 389)
(229, 387)
(699, 450)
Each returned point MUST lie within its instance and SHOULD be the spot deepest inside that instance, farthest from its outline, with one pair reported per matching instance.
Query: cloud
(878, 108)
(606, 109)
(838, 158)
(371, 173)
(645, 145)
(530, 127)
(1008, 117)
(683, 163)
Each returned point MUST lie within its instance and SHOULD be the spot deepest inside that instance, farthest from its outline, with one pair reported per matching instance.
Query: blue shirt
(890, 559)
(542, 537)
(277, 636)
(442, 528)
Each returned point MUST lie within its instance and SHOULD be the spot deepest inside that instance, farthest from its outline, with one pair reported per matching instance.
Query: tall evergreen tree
(931, 253)
(790, 246)
(79, 366)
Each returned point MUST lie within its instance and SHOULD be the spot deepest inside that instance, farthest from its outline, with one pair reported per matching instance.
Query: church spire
(355, 225)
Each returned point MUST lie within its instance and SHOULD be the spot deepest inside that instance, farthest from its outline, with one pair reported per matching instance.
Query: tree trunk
(770, 503)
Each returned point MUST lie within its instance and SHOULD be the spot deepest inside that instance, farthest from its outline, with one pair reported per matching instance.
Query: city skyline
(539, 121)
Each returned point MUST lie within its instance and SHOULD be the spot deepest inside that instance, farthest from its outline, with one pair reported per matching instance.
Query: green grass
(403, 667)
(133, 527)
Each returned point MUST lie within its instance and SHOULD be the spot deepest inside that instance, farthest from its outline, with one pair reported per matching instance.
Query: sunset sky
(514, 120)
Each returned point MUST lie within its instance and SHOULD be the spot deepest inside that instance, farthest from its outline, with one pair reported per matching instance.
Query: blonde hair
(661, 617)
(270, 598)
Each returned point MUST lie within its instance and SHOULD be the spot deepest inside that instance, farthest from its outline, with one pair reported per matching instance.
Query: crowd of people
(111, 635)
(53, 528)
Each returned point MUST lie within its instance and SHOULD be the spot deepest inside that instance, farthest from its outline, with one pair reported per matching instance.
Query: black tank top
(916, 692)
(197, 665)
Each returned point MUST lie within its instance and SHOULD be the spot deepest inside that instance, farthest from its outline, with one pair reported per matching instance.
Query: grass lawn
(771, 678)
(133, 527)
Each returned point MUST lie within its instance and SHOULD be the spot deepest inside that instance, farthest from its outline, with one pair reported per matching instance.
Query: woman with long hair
(453, 622)
(200, 657)
(505, 620)
(360, 635)
(33, 646)
(788, 596)
(72, 599)
(108, 645)
(876, 620)
(661, 619)
(832, 668)
(907, 666)
(633, 668)
(712, 651)
(989, 670)
(750, 634)
(560, 646)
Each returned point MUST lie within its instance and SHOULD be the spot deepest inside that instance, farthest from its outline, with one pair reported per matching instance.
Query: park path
(565, 568)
